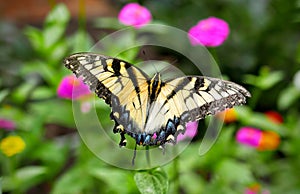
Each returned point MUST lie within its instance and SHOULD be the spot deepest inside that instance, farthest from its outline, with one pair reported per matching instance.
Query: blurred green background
(262, 54)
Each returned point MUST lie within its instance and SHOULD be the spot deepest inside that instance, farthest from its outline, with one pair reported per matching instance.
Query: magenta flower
(249, 136)
(210, 32)
(249, 191)
(7, 124)
(190, 132)
(134, 15)
(72, 88)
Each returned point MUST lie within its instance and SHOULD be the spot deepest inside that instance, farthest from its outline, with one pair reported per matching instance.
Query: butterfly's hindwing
(152, 111)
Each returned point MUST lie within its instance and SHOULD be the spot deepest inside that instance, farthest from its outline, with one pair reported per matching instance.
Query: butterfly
(150, 110)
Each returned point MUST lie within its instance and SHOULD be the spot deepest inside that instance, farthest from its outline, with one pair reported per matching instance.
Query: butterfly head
(156, 77)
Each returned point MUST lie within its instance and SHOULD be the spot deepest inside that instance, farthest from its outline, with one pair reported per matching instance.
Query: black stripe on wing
(73, 63)
(104, 74)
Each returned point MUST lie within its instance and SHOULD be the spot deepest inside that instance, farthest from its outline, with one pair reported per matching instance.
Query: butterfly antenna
(147, 59)
(174, 61)
(134, 155)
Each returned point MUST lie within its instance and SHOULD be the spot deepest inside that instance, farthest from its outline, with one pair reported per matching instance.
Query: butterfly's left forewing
(121, 85)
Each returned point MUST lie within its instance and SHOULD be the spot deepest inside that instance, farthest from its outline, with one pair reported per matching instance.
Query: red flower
(274, 117)
(256, 189)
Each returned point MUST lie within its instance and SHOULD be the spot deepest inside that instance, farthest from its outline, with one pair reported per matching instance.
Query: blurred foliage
(262, 52)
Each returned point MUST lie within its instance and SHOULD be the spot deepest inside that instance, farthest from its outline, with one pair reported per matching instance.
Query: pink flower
(7, 124)
(72, 88)
(249, 191)
(209, 32)
(135, 15)
(261, 140)
(190, 132)
(249, 136)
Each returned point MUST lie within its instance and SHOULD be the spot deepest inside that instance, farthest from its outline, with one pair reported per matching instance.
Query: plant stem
(82, 15)
(11, 169)
(52, 3)
(255, 97)
(214, 68)
(176, 172)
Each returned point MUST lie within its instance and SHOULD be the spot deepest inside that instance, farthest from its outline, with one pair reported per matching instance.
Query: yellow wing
(191, 98)
(122, 86)
(153, 112)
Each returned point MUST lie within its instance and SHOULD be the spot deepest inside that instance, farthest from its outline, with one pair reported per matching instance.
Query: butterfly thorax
(154, 87)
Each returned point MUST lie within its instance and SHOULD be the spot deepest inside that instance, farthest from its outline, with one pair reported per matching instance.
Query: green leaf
(59, 15)
(154, 181)
(1, 185)
(259, 120)
(271, 79)
(22, 92)
(231, 171)
(35, 37)
(58, 52)
(80, 42)
(125, 41)
(110, 23)
(266, 79)
(3, 94)
(61, 114)
(51, 154)
(24, 178)
(50, 74)
(74, 181)
(113, 178)
(287, 97)
(42, 93)
(192, 182)
(55, 25)
(298, 52)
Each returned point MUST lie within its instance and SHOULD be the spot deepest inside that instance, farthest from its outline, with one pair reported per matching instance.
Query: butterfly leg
(123, 139)
(134, 155)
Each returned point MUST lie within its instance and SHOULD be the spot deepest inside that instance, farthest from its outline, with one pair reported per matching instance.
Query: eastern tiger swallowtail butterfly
(150, 110)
